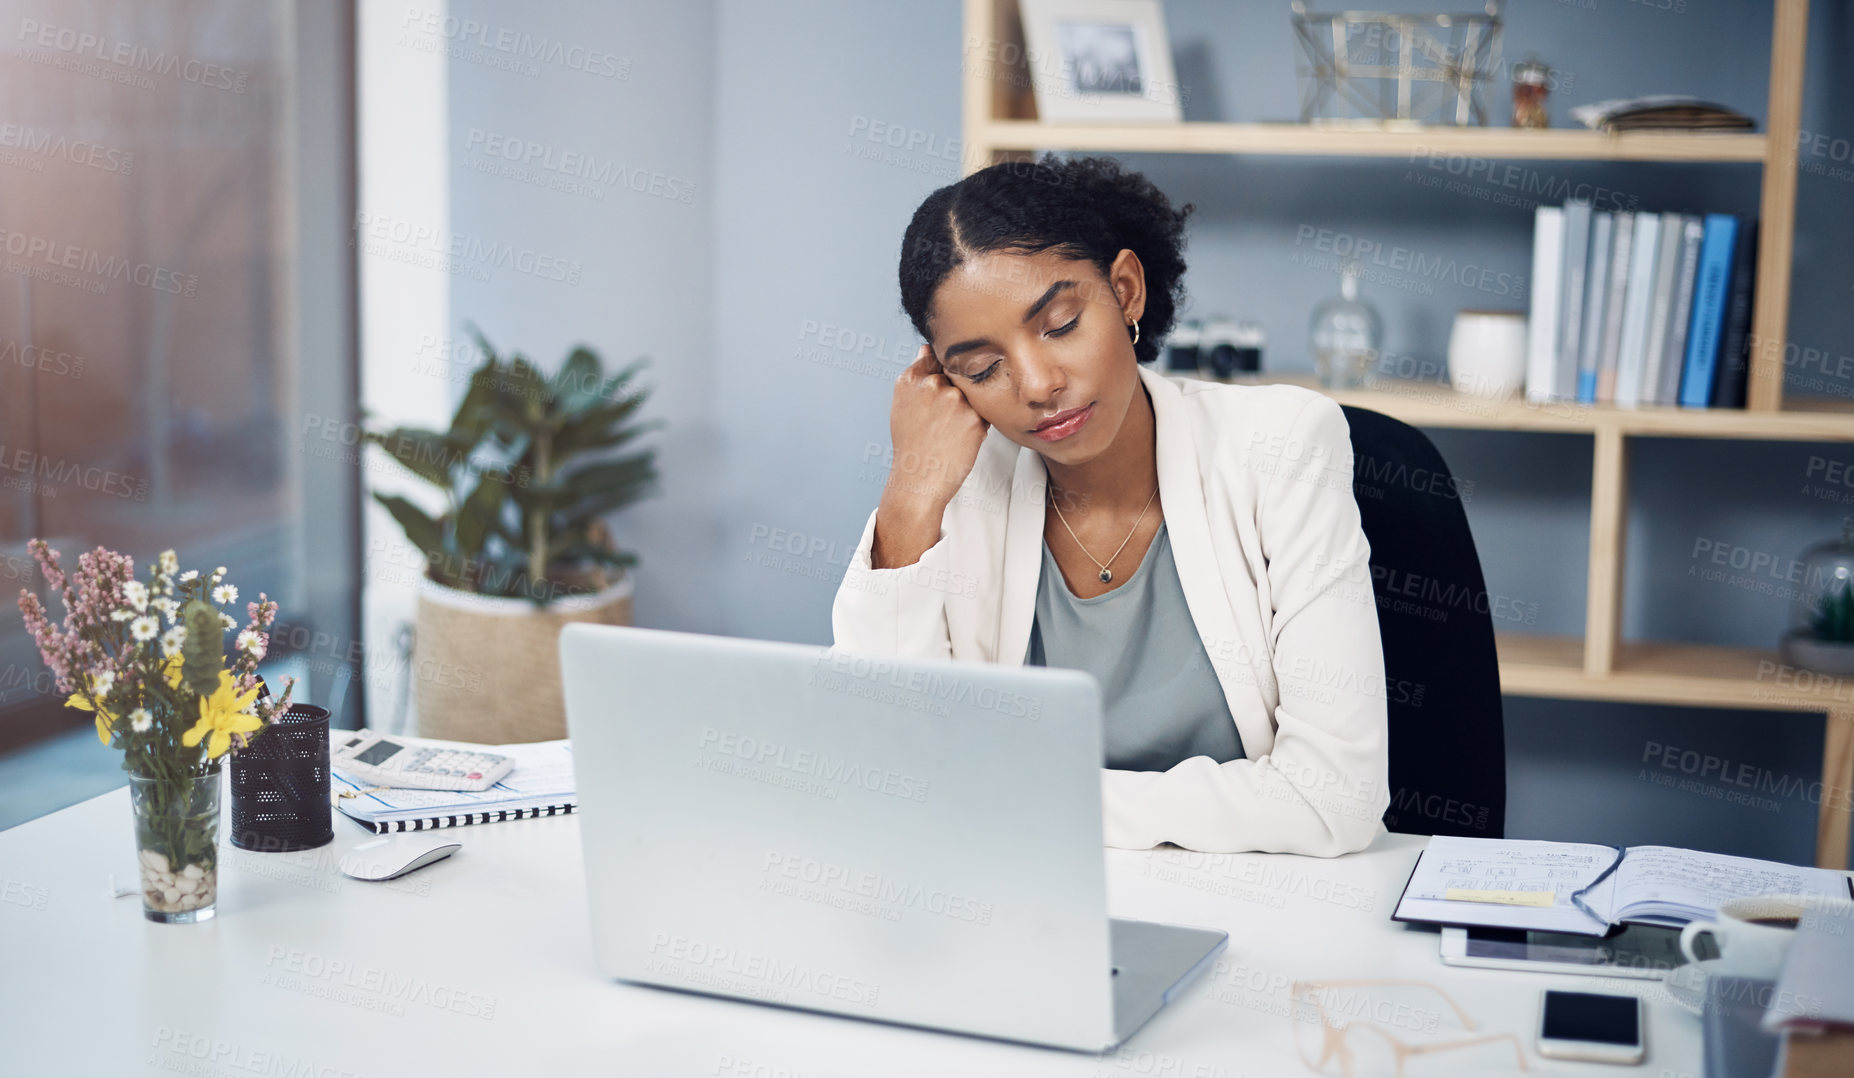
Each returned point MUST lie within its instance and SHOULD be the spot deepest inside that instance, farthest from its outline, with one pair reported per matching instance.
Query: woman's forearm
(906, 526)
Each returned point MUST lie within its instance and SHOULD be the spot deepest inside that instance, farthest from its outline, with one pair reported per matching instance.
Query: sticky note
(1503, 898)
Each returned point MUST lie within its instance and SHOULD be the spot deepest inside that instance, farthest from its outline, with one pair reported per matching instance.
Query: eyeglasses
(1371, 1050)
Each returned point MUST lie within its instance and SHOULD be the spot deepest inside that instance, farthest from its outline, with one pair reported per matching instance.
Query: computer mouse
(391, 857)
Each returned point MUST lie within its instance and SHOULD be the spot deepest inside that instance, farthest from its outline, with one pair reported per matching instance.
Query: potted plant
(1827, 645)
(148, 661)
(1821, 636)
(528, 470)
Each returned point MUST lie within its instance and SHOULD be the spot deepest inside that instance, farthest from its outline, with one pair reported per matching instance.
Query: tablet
(1645, 952)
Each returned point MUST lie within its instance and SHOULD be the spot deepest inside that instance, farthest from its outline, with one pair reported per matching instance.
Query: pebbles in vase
(171, 891)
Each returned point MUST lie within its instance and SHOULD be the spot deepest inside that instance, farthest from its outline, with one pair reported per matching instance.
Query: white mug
(1487, 353)
(1747, 948)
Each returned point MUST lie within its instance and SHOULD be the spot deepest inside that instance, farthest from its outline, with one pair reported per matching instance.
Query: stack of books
(1640, 308)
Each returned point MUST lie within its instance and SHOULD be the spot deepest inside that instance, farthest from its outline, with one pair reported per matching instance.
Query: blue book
(1709, 297)
(1596, 278)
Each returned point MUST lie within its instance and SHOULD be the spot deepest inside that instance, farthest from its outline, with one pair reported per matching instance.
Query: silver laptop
(909, 841)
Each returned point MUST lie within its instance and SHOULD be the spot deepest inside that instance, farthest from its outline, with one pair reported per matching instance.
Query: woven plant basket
(487, 669)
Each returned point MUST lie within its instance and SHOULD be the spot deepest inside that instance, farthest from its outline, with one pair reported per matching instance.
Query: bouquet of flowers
(148, 660)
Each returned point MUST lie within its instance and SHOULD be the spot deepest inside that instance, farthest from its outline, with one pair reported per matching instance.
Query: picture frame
(1101, 61)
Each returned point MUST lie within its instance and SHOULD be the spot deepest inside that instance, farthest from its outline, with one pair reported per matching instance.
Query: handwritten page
(1463, 880)
(1668, 884)
(1528, 883)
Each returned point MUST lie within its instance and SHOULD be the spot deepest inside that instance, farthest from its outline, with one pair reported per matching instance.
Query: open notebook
(1528, 883)
(541, 784)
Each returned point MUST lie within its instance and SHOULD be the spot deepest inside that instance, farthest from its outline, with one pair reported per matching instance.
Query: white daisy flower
(190, 574)
(144, 628)
(248, 640)
(121, 615)
(173, 640)
(228, 621)
(224, 593)
(140, 720)
(136, 593)
(169, 607)
(169, 562)
(102, 683)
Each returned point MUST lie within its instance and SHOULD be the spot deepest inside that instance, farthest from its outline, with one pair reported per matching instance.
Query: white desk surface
(481, 964)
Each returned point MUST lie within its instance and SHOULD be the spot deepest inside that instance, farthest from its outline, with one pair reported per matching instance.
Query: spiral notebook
(541, 784)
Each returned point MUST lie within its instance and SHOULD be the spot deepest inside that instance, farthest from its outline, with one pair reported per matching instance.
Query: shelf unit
(999, 124)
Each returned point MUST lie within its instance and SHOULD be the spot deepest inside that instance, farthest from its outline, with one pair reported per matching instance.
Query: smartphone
(1590, 1027)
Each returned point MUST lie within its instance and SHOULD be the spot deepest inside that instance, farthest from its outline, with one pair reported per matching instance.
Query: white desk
(481, 964)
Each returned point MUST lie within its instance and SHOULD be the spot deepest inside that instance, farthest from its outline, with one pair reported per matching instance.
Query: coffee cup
(1751, 935)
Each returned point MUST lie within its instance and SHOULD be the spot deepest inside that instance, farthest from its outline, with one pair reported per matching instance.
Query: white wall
(403, 214)
(636, 101)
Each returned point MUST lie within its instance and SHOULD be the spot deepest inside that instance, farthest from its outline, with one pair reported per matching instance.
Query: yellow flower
(105, 719)
(170, 669)
(223, 714)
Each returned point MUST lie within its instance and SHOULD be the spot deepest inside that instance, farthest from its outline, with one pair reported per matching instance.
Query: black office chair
(1442, 677)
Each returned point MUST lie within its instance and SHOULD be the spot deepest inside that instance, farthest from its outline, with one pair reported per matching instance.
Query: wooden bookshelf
(1354, 140)
(1436, 404)
(1699, 675)
(999, 123)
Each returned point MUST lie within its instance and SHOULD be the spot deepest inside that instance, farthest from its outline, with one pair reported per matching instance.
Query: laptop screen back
(914, 841)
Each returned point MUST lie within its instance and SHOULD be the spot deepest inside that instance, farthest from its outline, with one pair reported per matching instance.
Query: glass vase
(1345, 333)
(177, 843)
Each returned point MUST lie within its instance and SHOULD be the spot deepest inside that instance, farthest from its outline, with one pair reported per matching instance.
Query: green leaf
(594, 552)
(524, 392)
(425, 453)
(615, 438)
(603, 479)
(585, 430)
(421, 530)
(203, 655)
(482, 343)
(613, 389)
(577, 379)
(476, 413)
(475, 516)
(604, 474)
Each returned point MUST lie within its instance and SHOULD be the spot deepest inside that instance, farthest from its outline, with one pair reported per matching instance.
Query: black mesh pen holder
(280, 785)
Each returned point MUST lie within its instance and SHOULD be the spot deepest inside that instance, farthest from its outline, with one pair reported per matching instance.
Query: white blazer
(1256, 487)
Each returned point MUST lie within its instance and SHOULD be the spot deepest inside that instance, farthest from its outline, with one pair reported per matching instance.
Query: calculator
(412, 764)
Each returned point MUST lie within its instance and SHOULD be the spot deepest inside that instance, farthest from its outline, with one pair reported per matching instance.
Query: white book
(1636, 307)
(1612, 307)
(1660, 313)
(1590, 352)
(1530, 883)
(1692, 231)
(1576, 257)
(1542, 319)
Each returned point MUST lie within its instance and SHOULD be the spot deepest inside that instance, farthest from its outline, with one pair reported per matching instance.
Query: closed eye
(984, 374)
(1060, 330)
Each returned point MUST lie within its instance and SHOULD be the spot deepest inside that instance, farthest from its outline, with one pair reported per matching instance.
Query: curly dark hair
(1087, 208)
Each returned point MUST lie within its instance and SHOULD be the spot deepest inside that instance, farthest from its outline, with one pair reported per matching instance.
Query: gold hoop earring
(1136, 331)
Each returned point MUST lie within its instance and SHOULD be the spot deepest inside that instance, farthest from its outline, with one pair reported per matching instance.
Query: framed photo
(1101, 61)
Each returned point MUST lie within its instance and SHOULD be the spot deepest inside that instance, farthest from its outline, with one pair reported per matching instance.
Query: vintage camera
(1221, 347)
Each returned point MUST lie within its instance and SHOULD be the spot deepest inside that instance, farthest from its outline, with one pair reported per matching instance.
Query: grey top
(1161, 700)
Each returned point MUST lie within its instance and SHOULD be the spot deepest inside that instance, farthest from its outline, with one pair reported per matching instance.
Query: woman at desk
(1054, 500)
